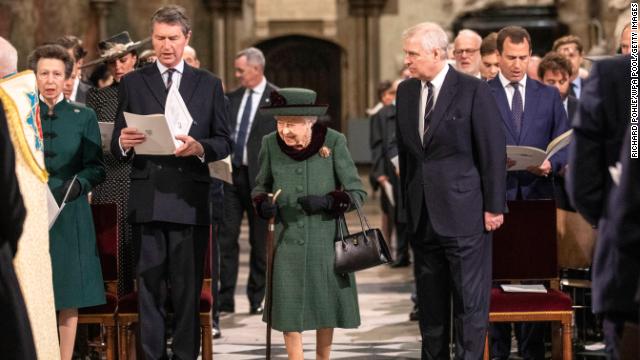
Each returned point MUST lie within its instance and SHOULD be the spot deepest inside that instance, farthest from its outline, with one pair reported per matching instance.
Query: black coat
(261, 126)
(168, 188)
(598, 131)
(460, 172)
(597, 140)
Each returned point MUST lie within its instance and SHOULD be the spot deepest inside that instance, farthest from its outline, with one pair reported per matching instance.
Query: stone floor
(384, 298)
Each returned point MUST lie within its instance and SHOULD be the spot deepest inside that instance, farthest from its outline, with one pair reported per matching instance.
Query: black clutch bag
(361, 250)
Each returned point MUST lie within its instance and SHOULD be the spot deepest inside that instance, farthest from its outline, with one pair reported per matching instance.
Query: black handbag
(362, 250)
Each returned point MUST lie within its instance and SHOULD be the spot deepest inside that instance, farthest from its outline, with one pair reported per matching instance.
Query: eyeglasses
(459, 52)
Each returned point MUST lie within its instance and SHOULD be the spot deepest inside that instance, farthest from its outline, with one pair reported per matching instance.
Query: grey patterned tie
(170, 72)
(516, 107)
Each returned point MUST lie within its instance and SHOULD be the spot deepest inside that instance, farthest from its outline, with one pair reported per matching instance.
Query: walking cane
(270, 255)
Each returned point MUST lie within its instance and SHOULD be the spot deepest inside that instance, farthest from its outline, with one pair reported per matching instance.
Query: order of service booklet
(526, 156)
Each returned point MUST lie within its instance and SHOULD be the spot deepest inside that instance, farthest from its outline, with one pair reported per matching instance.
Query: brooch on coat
(324, 152)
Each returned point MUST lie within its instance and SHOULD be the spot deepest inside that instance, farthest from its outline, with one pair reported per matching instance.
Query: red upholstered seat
(553, 300)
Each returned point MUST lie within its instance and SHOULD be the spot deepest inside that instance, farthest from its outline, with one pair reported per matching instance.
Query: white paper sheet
(52, 205)
(524, 288)
(159, 139)
(177, 114)
(106, 132)
(222, 170)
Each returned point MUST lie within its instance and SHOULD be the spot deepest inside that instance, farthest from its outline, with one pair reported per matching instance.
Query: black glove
(264, 207)
(74, 188)
(313, 204)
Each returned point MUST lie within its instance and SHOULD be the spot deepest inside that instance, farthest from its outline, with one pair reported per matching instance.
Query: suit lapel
(500, 94)
(153, 79)
(446, 95)
(264, 100)
(530, 106)
(188, 83)
(413, 105)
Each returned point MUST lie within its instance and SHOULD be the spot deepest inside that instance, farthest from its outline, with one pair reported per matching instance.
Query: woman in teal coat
(312, 166)
(72, 149)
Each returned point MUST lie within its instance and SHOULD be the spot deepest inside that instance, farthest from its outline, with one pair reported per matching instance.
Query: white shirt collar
(506, 82)
(179, 68)
(438, 80)
(60, 98)
(259, 89)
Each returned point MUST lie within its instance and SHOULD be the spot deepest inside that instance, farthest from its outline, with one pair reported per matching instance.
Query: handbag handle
(361, 217)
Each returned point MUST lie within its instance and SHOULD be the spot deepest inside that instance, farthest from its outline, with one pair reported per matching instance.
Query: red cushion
(128, 304)
(108, 308)
(553, 300)
(105, 220)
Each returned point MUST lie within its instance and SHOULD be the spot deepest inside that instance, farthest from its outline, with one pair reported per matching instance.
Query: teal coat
(307, 292)
(73, 147)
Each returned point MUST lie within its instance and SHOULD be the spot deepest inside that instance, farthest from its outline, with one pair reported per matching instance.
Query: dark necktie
(572, 90)
(428, 107)
(516, 107)
(170, 72)
(241, 135)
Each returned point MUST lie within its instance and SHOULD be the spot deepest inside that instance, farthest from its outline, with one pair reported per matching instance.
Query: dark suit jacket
(597, 135)
(12, 211)
(168, 188)
(81, 94)
(544, 119)
(261, 126)
(616, 286)
(383, 129)
(460, 172)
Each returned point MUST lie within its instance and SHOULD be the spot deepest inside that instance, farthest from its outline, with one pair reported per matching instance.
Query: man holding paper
(169, 194)
(533, 115)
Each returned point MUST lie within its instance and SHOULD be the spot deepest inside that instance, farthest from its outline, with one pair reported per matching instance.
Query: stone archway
(302, 61)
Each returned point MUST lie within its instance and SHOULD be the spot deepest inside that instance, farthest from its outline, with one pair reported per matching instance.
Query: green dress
(307, 292)
(73, 147)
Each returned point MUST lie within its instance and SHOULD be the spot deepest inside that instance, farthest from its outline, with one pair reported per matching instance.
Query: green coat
(307, 293)
(72, 146)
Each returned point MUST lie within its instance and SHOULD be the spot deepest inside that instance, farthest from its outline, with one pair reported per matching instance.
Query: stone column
(367, 14)
(223, 14)
(102, 8)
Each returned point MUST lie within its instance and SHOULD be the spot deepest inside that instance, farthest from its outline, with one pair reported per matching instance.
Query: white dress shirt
(437, 82)
(258, 90)
(177, 75)
(506, 84)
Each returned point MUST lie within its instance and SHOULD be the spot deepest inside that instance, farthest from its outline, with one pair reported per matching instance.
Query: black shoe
(414, 315)
(216, 332)
(256, 310)
(400, 263)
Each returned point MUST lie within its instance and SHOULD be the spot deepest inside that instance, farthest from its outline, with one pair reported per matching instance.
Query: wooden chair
(525, 248)
(128, 314)
(105, 219)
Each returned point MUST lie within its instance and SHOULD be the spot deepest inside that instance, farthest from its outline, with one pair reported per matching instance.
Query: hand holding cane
(270, 255)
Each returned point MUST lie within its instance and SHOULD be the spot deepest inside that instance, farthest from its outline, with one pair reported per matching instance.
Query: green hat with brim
(293, 102)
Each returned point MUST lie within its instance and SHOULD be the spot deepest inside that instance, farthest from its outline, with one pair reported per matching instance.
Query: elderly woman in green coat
(73, 158)
(312, 166)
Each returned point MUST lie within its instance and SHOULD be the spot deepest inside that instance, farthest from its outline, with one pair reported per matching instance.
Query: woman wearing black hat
(312, 166)
(120, 55)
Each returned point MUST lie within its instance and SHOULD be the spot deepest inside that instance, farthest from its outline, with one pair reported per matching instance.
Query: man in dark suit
(169, 195)
(452, 171)
(75, 88)
(382, 142)
(532, 115)
(248, 126)
(555, 70)
(598, 133)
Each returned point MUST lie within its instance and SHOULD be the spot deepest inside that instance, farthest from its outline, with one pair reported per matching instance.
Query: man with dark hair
(248, 126)
(452, 166)
(489, 64)
(75, 89)
(169, 195)
(571, 47)
(532, 115)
